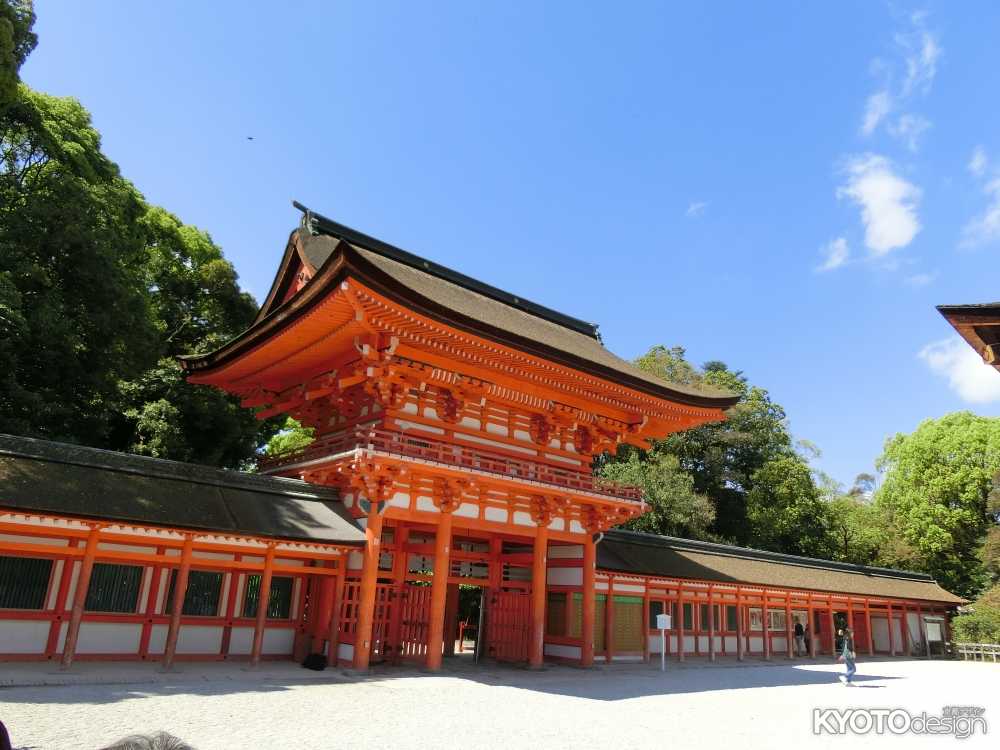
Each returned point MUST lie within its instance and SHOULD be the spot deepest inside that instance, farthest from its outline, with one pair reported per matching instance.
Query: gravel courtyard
(223, 707)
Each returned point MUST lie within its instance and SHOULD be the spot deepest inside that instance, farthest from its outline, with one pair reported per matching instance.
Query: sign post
(663, 624)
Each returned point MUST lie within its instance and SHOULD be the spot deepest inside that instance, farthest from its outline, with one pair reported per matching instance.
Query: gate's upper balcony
(429, 449)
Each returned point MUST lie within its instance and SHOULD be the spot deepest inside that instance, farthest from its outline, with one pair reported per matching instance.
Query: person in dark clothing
(4, 738)
(800, 638)
(847, 655)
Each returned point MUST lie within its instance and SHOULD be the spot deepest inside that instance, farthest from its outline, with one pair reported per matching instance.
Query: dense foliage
(100, 291)
(741, 480)
(981, 623)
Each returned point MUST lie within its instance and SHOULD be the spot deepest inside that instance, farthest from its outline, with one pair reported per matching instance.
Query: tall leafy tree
(723, 457)
(785, 511)
(936, 497)
(17, 17)
(675, 508)
(99, 291)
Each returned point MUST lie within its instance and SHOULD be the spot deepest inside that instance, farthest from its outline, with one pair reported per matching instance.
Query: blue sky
(787, 187)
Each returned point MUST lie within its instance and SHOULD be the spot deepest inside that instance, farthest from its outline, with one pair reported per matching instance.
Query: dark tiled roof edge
(317, 223)
(99, 458)
(746, 553)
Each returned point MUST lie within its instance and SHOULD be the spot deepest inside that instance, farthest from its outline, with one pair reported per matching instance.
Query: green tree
(785, 511)
(935, 496)
(675, 508)
(981, 624)
(723, 457)
(17, 17)
(99, 291)
(291, 437)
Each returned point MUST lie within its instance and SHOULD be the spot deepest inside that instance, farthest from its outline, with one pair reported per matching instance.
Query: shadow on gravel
(602, 683)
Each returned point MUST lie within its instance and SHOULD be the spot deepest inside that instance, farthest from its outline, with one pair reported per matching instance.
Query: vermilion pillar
(263, 600)
(439, 591)
(320, 619)
(180, 591)
(589, 566)
(892, 628)
(80, 598)
(764, 624)
(539, 566)
(789, 630)
(369, 581)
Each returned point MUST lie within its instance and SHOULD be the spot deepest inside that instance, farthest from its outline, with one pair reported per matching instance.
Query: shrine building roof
(39, 476)
(330, 252)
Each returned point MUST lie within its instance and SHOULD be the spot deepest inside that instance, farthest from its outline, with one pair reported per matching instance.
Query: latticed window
(202, 596)
(24, 582)
(627, 625)
(555, 614)
(576, 620)
(732, 622)
(113, 588)
(279, 603)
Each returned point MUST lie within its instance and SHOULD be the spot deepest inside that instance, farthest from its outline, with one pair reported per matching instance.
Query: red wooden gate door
(508, 625)
(381, 624)
(414, 614)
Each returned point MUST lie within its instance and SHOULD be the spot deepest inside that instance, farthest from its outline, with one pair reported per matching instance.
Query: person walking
(847, 655)
(800, 638)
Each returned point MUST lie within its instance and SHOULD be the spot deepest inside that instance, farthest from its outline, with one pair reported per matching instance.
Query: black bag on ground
(316, 662)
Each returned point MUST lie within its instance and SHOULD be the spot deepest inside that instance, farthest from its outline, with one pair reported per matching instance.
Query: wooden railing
(440, 451)
(978, 650)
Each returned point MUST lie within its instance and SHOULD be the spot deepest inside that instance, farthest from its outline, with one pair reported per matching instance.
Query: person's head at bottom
(157, 741)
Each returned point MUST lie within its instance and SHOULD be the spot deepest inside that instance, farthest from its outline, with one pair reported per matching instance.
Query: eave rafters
(466, 366)
(379, 477)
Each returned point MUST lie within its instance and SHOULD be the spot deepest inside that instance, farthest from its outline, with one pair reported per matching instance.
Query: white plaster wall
(23, 636)
(689, 643)
(355, 561)
(731, 644)
(566, 652)
(522, 518)
(345, 651)
(779, 644)
(629, 588)
(627, 657)
(566, 551)
(565, 576)
(880, 633)
(277, 641)
(157, 639)
(467, 510)
(897, 623)
(916, 636)
(703, 643)
(199, 639)
(495, 514)
(109, 638)
(756, 644)
(23, 539)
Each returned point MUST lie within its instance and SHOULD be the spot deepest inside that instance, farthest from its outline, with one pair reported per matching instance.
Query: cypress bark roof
(452, 298)
(57, 478)
(650, 554)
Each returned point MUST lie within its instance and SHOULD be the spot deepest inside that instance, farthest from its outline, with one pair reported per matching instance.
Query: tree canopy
(99, 291)
(935, 497)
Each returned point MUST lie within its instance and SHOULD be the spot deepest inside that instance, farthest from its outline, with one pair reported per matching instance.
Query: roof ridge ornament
(308, 222)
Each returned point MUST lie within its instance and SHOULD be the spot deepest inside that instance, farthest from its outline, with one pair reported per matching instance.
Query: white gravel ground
(223, 707)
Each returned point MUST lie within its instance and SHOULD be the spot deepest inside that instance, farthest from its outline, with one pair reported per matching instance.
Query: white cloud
(918, 280)
(985, 228)
(835, 254)
(921, 51)
(967, 375)
(888, 203)
(978, 162)
(909, 129)
(696, 209)
(878, 106)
